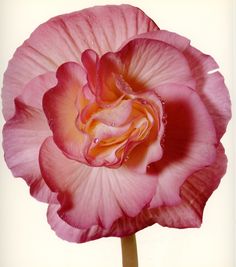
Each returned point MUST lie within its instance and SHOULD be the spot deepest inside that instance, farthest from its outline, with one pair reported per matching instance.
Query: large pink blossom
(114, 123)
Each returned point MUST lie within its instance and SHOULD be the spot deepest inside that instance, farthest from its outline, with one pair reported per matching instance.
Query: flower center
(117, 129)
(95, 115)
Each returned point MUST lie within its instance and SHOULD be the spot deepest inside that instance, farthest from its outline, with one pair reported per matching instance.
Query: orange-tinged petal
(60, 106)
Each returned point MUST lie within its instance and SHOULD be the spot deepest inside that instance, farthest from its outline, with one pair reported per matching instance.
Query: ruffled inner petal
(150, 63)
(150, 150)
(141, 65)
(60, 106)
(90, 59)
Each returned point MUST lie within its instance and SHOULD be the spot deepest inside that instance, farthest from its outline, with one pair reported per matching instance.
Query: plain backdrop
(26, 239)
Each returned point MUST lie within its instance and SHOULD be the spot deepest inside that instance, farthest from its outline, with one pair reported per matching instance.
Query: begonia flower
(114, 123)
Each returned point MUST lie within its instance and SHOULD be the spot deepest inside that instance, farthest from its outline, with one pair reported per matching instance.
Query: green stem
(129, 251)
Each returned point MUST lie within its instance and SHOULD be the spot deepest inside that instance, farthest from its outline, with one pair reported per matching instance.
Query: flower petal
(150, 150)
(189, 145)
(33, 92)
(60, 107)
(117, 116)
(65, 37)
(141, 65)
(90, 59)
(211, 88)
(93, 196)
(194, 193)
(22, 138)
(171, 38)
(150, 63)
(107, 89)
(122, 227)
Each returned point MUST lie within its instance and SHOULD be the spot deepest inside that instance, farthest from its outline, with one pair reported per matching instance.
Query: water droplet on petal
(163, 140)
(143, 101)
(95, 140)
(126, 158)
(163, 103)
(164, 119)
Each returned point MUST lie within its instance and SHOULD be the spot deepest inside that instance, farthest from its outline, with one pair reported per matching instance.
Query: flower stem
(129, 251)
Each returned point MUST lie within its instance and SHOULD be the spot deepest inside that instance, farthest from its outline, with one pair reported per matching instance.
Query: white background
(26, 239)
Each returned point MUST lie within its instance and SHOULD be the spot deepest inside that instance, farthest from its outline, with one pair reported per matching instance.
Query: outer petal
(72, 234)
(93, 196)
(22, 138)
(122, 227)
(171, 38)
(24, 134)
(33, 92)
(194, 193)
(211, 87)
(189, 145)
(64, 38)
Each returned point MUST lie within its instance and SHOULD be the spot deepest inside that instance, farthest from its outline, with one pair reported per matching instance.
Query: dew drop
(143, 101)
(163, 141)
(163, 103)
(126, 158)
(95, 140)
(164, 119)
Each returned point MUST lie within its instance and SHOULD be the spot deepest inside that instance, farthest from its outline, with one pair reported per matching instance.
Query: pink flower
(114, 123)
